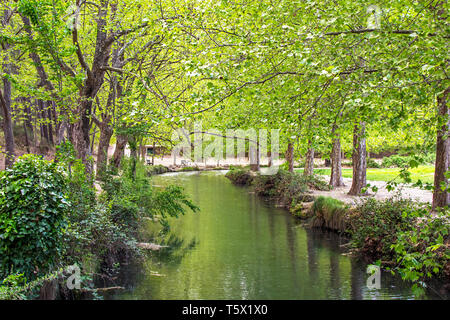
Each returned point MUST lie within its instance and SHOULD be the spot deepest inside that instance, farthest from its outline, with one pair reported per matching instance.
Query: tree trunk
(336, 179)
(42, 123)
(153, 154)
(133, 143)
(359, 159)
(5, 101)
(27, 140)
(81, 133)
(60, 136)
(119, 151)
(254, 157)
(441, 198)
(50, 127)
(102, 152)
(290, 156)
(309, 161)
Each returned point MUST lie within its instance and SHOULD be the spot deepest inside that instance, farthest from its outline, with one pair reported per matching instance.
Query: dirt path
(406, 192)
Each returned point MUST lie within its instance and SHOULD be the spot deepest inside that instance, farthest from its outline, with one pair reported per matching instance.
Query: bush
(375, 225)
(240, 177)
(284, 186)
(158, 169)
(131, 198)
(33, 208)
(422, 251)
(371, 163)
(404, 161)
(190, 169)
(317, 182)
(405, 233)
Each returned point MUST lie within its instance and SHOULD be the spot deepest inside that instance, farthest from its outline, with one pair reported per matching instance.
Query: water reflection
(240, 247)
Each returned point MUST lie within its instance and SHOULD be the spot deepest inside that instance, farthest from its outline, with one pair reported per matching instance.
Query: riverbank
(401, 235)
(241, 246)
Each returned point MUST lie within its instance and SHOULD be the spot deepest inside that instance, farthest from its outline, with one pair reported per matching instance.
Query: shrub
(371, 163)
(131, 198)
(375, 225)
(406, 233)
(158, 169)
(317, 182)
(33, 208)
(284, 186)
(189, 169)
(422, 251)
(404, 161)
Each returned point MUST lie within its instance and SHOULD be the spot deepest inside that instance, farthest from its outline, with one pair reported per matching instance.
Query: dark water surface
(242, 247)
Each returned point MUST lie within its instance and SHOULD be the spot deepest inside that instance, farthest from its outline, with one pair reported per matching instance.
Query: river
(240, 246)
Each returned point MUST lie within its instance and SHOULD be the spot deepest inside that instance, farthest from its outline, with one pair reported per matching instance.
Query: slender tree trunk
(94, 134)
(290, 156)
(119, 151)
(7, 123)
(309, 161)
(359, 159)
(29, 121)
(27, 140)
(441, 198)
(50, 126)
(336, 179)
(102, 152)
(81, 133)
(60, 136)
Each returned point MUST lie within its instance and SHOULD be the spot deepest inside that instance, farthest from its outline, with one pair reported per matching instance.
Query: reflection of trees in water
(358, 280)
(176, 249)
(316, 240)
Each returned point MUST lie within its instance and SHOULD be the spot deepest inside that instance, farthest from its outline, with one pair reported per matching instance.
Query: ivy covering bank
(51, 217)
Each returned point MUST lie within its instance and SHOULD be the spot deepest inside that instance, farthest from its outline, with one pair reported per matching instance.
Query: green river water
(240, 246)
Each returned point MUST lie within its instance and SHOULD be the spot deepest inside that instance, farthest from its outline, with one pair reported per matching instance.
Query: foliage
(189, 168)
(422, 173)
(404, 232)
(317, 182)
(133, 197)
(375, 224)
(371, 163)
(422, 251)
(286, 187)
(33, 207)
(80, 185)
(403, 161)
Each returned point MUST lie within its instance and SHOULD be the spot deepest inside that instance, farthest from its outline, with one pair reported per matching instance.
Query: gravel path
(382, 193)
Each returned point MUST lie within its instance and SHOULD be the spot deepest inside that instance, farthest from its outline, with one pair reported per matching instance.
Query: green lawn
(424, 173)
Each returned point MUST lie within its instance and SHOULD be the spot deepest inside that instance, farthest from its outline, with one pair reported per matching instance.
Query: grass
(424, 173)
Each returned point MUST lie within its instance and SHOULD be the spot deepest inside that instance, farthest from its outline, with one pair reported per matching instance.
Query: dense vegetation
(51, 217)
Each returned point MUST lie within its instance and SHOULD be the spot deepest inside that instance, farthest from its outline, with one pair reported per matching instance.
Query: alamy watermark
(374, 279)
(256, 146)
(74, 280)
